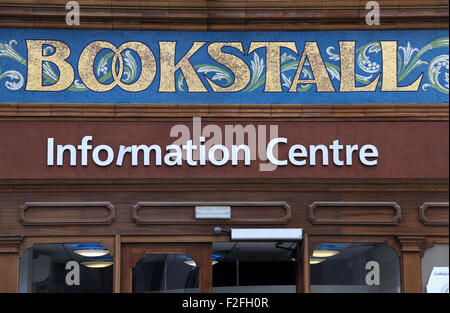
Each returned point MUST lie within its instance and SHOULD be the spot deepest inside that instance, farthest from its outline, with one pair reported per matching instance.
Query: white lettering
(146, 149)
(293, 155)
(312, 154)
(96, 158)
(216, 154)
(60, 155)
(335, 147)
(234, 154)
(349, 153)
(84, 147)
(178, 154)
(121, 155)
(225, 155)
(363, 155)
(50, 144)
(270, 148)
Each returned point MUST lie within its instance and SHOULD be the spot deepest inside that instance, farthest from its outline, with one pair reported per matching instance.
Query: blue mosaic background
(419, 51)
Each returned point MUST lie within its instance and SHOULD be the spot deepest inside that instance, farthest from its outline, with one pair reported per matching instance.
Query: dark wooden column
(9, 263)
(411, 248)
(299, 268)
(204, 256)
(306, 266)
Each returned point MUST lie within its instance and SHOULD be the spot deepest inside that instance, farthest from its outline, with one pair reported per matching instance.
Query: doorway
(220, 267)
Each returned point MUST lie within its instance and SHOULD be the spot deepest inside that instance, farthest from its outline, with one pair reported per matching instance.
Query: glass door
(166, 268)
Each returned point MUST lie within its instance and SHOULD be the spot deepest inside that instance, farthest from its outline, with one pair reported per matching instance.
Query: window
(355, 267)
(72, 268)
(435, 258)
(166, 273)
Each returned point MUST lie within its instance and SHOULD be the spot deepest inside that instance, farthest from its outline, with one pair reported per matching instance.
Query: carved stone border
(392, 221)
(427, 221)
(282, 220)
(91, 221)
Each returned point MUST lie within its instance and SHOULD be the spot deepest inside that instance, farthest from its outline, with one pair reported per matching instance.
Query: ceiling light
(90, 250)
(192, 263)
(92, 253)
(316, 260)
(97, 264)
(322, 253)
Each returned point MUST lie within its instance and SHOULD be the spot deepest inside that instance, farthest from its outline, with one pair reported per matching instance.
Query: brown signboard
(134, 150)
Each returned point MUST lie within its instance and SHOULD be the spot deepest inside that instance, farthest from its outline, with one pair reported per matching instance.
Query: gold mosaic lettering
(236, 65)
(347, 50)
(36, 58)
(87, 59)
(273, 66)
(319, 71)
(389, 80)
(168, 68)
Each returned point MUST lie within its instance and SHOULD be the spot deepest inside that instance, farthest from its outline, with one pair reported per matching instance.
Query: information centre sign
(101, 149)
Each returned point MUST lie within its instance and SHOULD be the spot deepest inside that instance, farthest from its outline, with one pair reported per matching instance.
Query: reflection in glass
(91, 250)
(355, 267)
(166, 273)
(56, 268)
(434, 257)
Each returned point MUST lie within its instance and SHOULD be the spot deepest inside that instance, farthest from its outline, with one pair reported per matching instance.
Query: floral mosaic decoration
(409, 59)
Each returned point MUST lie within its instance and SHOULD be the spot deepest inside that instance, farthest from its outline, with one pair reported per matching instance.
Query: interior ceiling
(227, 251)
(58, 252)
(251, 251)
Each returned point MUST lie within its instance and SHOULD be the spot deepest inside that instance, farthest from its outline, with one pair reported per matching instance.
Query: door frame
(131, 253)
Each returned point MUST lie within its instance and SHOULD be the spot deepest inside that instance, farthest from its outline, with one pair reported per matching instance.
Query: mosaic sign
(73, 66)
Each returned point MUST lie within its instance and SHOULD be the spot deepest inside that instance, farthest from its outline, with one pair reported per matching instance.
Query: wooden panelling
(11, 186)
(10, 244)
(412, 249)
(184, 213)
(422, 111)
(434, 213)
(354, 213)
(9, 273)
(9, 263)
(299, 194)
(67, 213)
(226, 15)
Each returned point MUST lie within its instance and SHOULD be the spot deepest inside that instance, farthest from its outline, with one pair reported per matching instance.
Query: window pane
(355, 267)
(57, 268)
(166, 273)
(435, 257)
(254, 267)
